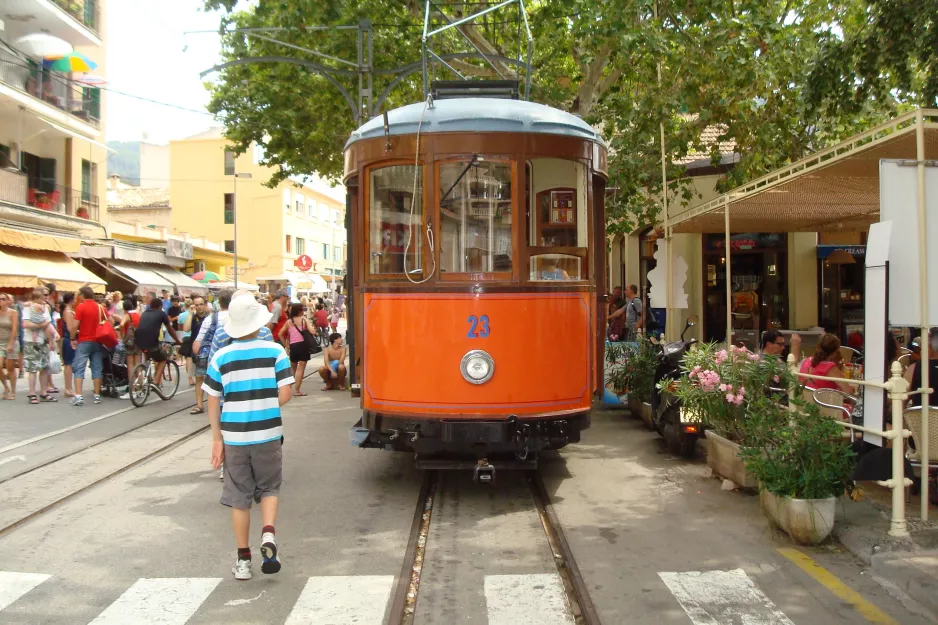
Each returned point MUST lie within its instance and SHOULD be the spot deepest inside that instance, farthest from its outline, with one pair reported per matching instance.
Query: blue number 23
(478, 327)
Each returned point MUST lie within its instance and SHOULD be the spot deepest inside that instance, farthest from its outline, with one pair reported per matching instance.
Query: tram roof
(478, 115)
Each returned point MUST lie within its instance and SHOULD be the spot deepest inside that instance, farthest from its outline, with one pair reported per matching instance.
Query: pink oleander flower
(722, 355)
(708, 380)
(730, 398)
(741, 393)
(775, 379)
(753, 356)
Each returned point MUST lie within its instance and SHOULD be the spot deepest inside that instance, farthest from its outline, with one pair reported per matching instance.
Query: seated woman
(827, 361)
(333, 370)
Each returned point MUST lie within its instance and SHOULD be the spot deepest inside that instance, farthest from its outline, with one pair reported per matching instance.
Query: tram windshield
(557, 219)
(475, 216)
(394, 216)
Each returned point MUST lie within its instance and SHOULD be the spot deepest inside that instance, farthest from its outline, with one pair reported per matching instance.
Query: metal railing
(79, 101)
(85, 11)
(54, 198)
(897, 389)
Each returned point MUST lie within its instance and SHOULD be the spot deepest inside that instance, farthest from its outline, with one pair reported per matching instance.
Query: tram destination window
(475, 216)
(557, 220)
(392, 219)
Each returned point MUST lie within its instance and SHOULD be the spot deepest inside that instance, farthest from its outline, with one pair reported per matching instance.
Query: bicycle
(142, 380)
(323, 332)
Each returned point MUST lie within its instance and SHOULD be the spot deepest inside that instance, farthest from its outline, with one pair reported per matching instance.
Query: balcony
(79, 101)
(76, 21)
(85, 11)
(52, 198)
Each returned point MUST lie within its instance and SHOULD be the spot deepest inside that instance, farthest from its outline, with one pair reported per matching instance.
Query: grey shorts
(252, 472)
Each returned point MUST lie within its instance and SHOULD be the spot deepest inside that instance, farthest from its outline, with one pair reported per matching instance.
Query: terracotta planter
(723, 457)
(807, 521)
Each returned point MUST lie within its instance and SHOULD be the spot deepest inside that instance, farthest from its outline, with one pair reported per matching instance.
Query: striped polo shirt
(248, 375)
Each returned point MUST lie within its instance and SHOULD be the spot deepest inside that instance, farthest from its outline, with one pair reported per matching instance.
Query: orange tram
(476, 278)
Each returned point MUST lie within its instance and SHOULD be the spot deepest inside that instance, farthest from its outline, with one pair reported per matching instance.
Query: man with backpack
(633, 311)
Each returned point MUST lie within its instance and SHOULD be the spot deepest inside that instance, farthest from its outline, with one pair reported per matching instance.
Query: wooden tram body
(491, 343)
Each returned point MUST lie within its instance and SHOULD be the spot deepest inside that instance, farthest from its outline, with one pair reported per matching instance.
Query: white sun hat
(245, 315)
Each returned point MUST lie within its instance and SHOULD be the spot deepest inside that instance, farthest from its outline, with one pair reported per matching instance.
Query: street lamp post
(234, 221)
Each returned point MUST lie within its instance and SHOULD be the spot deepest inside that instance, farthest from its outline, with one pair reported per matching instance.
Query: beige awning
(20, 268)
(834, 190)
(36, 241)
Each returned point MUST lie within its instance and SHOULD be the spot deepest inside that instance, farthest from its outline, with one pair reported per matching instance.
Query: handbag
(312, 343)
(105, 333)
(186, 349)
(55, 363)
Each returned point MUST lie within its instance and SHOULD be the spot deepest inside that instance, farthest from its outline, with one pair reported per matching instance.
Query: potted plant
(632, 370)
(82, 212)
(721, 385)
(802, 463)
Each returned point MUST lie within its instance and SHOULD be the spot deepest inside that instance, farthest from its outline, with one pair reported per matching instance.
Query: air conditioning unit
(198, 265)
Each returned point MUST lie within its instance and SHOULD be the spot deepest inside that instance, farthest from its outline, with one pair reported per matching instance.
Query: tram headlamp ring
(477, 367)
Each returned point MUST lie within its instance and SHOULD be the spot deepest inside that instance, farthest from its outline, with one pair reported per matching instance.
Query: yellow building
(53, 161)
(210, 190)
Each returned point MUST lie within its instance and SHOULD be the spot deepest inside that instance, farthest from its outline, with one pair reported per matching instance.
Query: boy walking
(253, 377)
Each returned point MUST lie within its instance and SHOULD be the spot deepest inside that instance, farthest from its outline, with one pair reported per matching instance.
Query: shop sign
(304, 286)
(176, 248)
(303, 263)
(746, 241)
(823, 251)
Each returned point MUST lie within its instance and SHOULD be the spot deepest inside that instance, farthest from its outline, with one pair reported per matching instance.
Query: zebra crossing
(706, 597)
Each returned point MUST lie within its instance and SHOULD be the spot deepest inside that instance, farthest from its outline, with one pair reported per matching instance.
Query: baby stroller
(114, 379)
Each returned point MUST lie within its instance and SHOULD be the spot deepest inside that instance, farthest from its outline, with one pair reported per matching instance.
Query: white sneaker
(97, 399)
(78, 401)
(269, 550)
(125, 396)
(242, 569)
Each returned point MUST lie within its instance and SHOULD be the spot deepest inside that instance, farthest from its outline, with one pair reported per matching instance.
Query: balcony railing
(85, 11)
(52, 88)
(55, 198)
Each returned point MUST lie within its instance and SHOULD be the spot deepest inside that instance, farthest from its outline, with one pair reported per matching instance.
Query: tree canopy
(775, 79)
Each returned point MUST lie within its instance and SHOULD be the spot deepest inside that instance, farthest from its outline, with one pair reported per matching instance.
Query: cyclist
(147, 336)
(322, 322)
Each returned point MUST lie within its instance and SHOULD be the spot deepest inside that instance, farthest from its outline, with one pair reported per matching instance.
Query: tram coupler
(484, 473)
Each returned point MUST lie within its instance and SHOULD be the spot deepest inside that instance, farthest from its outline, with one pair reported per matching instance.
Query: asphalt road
(655, 538)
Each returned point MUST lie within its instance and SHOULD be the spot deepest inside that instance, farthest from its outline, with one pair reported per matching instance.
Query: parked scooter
(679, 428)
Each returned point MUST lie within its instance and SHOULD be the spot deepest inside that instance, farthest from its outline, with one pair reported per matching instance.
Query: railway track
(407, 592)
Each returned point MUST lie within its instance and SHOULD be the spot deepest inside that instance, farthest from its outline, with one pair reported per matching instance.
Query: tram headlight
(477, 367)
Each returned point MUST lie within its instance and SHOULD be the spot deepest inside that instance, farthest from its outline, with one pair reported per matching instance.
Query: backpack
(206, 347)
(130, 336)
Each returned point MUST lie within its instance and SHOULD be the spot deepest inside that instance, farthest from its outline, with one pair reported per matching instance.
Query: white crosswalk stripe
(526, 600)
(343, 600)
(159, 601)
(15, 585)
(717, 597)
(707, 597)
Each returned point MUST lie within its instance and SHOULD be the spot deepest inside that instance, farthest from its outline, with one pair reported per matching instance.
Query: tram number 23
(478, 327)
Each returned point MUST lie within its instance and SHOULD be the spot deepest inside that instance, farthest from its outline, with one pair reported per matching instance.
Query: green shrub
(632, 368)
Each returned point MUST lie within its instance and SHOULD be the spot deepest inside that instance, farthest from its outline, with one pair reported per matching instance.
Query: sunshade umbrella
(90, 80)
(42, 44)
(73, 62)
(205, 277)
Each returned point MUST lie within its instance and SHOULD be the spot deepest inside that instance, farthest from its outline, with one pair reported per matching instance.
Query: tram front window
(475, 216)
(392, 217)
(557, 219)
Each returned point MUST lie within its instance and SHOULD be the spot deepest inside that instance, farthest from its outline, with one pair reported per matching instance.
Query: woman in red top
(827, 362)
(129, 323)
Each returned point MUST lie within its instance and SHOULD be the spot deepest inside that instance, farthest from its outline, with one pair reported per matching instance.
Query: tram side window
(475, 216)
(392, 216)
(557, 220)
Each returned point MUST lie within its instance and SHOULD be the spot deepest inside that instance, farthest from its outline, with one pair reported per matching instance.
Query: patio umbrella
(90, 80)
(42, 44)
(72, 62)
(205, 277)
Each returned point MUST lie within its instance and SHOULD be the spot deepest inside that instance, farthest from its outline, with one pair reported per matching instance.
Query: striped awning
(22, 268)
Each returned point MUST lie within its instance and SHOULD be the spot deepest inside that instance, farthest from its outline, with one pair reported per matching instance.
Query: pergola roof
(834, 190)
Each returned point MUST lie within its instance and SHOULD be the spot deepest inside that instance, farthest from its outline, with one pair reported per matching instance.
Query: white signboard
(898, 203)
(874, 319)
(658, 276)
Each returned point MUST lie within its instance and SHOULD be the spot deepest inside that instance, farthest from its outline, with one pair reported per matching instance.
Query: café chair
(912, 418)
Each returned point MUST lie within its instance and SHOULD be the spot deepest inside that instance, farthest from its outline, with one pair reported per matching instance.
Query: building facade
(293, 235)
(52, 154)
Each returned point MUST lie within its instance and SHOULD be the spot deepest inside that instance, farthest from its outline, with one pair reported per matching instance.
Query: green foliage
(801, 454)
(632, 368)
(739, 67)
(728, 388)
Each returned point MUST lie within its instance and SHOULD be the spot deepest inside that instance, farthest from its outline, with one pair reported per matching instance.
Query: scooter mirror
(692, 321)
